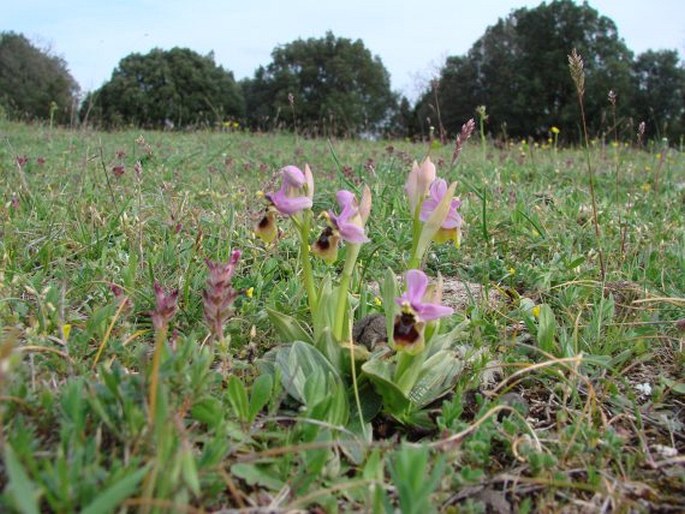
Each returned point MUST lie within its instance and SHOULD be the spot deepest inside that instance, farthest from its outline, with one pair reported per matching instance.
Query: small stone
(370, 331)
(515, 401)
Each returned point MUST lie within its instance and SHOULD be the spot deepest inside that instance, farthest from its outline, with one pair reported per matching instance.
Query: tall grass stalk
(576, 67)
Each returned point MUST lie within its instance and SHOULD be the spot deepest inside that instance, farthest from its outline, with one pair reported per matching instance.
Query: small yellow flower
(646, 187)
(66, 330)
(512, 271)
(614, 144)
(259, 194)
(658, 156)
(377, 301)
(250, 292)
(555, 130)
(536, 311)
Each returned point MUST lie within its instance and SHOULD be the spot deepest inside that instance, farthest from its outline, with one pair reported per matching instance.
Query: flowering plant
(325, 364)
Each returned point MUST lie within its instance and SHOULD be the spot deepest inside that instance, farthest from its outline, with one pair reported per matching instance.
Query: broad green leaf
(380, 374)
(208, 410)
(189, 471)
(112, 496)
(438, 375)
(261, 394)
(388, 294)
(237, 395)
(298, 363)
(288, 328)
(24, 492)
(256, 474)
(547, 326)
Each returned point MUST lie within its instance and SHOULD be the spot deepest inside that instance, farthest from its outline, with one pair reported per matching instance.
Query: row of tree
(518, 70)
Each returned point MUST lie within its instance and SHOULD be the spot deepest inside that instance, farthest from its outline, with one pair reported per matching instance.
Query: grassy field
(566, 389)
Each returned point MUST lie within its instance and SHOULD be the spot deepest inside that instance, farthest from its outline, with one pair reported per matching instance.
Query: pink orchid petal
(417, 283)
(289, 205)
(293, 177)
(431, 311)
(352, 233)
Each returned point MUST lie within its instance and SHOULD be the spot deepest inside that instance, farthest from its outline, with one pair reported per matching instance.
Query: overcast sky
(412, 38)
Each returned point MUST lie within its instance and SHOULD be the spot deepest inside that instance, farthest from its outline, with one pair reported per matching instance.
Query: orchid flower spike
(418, 182)
(296, 194)
(419, 305)
(347, 226)
(451, 226)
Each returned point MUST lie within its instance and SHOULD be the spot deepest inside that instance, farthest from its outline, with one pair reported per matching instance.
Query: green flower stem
(407, 370)
(341, 306)
(303, 228)
(415, 259)
(160, 337)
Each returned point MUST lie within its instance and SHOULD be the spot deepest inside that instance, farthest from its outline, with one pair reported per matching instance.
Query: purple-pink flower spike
(219, 295)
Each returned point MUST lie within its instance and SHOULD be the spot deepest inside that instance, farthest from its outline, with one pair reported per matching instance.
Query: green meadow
(557, 383)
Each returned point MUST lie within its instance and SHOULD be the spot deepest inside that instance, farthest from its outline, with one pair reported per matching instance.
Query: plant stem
(303, 229)
(407, 370)
(160, 337)
(341, 305)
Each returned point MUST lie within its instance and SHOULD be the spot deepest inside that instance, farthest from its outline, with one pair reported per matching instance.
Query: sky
(411, 37)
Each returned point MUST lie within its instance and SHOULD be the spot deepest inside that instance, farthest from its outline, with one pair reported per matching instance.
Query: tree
(34, 83)
(177, 86)
(519, 70)
(332, 85)
(660, 97)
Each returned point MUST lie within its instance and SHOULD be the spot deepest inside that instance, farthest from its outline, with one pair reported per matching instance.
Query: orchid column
(293, 199)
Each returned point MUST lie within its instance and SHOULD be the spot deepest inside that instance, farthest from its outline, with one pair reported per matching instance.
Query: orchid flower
(451, 226)
(296, 194)
(419, 305)
(347, 226)
(418, 182)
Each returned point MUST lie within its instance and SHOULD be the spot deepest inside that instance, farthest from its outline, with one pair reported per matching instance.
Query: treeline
(516, 73)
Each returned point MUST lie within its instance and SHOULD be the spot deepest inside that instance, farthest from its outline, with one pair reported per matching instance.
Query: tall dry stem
(576, 67)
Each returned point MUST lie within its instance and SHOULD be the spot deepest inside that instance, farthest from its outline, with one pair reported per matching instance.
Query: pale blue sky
(411, 38)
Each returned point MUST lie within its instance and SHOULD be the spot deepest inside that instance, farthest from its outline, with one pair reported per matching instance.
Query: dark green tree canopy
(176, 86)
(660, 96)
(332, 85)
(519, 70)
(33, 83)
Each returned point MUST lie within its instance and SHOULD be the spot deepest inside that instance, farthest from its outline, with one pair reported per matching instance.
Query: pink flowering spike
(165, 307)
